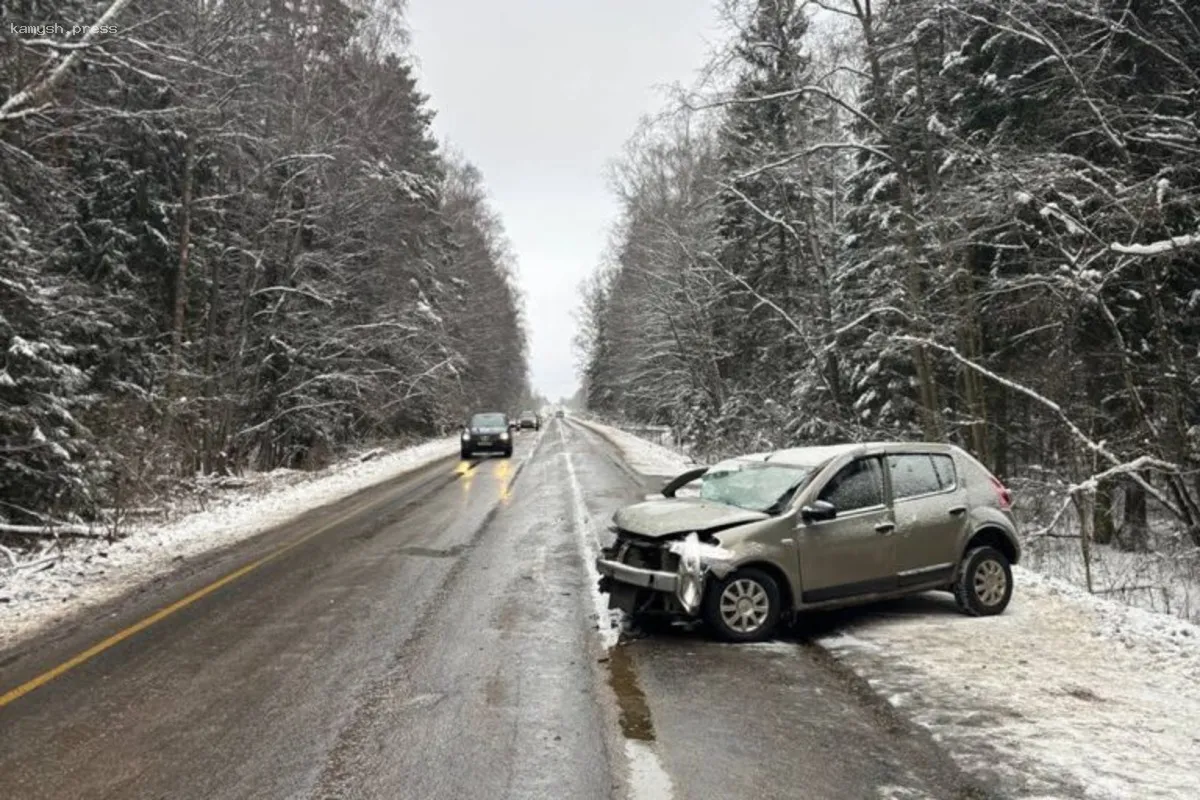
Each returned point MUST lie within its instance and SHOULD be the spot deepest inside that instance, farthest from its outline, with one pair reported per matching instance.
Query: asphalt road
(436, 637)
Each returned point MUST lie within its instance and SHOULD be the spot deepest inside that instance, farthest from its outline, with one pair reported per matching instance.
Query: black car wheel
(984, 584)
(465, 453)
(744, 606)
(508, 453)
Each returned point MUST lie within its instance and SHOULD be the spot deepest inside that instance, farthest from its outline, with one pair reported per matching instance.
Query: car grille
(636, 551)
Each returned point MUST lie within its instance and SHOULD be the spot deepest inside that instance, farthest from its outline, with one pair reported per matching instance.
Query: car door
(930, 507)
(851, 554)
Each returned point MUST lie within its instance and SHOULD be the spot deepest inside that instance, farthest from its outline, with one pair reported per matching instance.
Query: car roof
(823, 454)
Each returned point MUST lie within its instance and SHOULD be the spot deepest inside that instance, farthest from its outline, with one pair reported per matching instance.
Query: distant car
(775, 534)
(529, 419)
(558, 414)
(486, 433)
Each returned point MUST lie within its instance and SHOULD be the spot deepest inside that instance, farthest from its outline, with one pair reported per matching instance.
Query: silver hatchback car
(773, 534)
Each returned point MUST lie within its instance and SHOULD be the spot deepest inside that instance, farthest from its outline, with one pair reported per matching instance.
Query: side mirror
(819, 511)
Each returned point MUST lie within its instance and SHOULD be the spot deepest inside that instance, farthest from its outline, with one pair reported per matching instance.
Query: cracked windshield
(570, 399)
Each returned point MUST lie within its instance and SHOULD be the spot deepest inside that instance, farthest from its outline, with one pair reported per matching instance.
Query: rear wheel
(744, 606)
(984, 584)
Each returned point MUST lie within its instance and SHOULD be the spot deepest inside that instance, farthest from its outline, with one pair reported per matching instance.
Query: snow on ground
(94, 571)
(1066, 694)
(1166, 580)
(643, 456)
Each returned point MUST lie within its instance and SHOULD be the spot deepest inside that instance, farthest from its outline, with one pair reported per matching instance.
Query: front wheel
(508, 453)
(744, 606)
(464, 453)
(984, 584)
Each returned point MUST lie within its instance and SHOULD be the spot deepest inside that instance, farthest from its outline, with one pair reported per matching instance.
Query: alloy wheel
(745, 605)
(990, 582)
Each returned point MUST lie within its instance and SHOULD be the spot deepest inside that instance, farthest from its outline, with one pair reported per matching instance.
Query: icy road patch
(92, 572)
(1064, 695)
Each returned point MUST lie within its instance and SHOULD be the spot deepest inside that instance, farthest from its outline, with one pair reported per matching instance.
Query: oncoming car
(529, 419)
(486, 433)
(771, 535)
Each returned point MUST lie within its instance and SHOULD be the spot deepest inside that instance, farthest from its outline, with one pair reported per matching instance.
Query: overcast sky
(541, 95)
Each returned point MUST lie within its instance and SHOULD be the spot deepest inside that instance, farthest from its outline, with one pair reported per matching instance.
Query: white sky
(541, 95)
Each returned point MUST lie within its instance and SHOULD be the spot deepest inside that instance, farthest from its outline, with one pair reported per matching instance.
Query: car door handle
(885, 528)
(958, 511)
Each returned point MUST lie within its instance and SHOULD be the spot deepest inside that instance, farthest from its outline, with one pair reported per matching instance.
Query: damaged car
(771, 535)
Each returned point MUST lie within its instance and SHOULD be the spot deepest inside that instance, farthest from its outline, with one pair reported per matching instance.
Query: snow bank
(1065, 694)
(92, 572)
(643, 456)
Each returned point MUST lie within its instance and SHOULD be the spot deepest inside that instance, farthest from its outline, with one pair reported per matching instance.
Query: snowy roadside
(1064, 695)
(1064, 692)
(90, 572)
(644, 457)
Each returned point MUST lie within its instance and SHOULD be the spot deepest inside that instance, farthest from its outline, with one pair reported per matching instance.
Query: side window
(858, 485)
(913, 475)
(944, 466)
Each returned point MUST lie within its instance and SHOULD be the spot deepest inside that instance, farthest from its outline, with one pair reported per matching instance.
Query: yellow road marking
(163, 613)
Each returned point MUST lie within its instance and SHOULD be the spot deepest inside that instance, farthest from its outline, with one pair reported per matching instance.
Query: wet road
(436, 637)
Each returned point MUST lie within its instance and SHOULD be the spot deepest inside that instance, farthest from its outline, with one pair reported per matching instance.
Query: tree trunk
(181, 270)
(1000, 465)
(1102, 514)
(1135, 530)
(213, 438)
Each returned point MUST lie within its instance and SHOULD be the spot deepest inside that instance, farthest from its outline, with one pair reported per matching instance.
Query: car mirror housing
(819, 511)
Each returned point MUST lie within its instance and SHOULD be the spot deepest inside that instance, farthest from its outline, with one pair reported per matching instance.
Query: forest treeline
(973, 221)
(229, 240)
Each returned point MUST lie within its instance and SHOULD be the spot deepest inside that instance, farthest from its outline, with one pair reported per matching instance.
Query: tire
(508, 453)
(751, 584)
(977, 589)
(464, 453)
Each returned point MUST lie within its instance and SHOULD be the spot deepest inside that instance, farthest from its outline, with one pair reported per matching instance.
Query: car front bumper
(656, 580)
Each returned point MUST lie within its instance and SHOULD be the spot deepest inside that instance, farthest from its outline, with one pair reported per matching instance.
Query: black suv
(487, 432)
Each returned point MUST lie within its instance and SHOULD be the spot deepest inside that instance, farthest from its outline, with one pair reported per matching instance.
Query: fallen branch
(41, 563)
(52, 531)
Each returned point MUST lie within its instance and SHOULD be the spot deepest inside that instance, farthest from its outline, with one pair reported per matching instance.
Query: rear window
(944, 465)
(914, 475)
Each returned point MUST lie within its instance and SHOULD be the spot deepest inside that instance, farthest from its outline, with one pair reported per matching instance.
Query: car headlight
(466, 435)
(504, 435)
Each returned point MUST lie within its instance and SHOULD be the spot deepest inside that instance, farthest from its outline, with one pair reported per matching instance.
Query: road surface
(436, 637)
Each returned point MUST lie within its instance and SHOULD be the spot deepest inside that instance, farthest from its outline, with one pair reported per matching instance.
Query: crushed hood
(657, 518)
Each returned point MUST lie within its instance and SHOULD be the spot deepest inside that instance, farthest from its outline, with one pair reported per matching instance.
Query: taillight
(1002, 493)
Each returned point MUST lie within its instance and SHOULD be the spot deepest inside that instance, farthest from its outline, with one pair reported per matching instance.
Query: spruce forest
(967, 221)
(229, 241)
